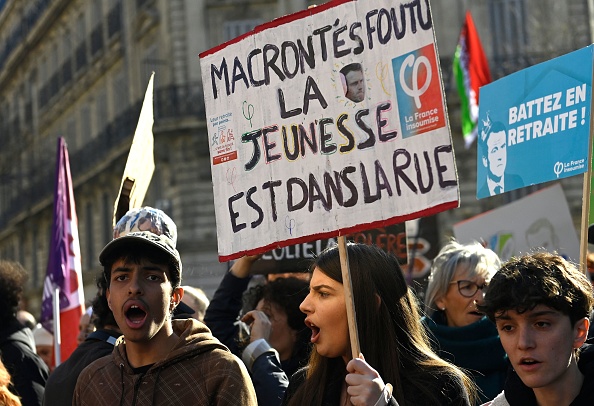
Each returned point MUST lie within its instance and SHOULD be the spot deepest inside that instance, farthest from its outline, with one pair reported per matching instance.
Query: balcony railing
(179, 101)
(20, 31)
(170, 102)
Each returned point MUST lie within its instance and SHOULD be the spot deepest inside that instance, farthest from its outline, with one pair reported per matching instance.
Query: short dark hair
(12, 279)
(134, 251)
(539, 278)
(287, 294)
(351, 67)
(102, 314)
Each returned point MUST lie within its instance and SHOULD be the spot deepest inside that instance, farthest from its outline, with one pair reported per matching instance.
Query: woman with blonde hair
(7, 398)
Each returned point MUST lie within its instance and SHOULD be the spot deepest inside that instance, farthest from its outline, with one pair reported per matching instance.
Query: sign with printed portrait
(327, 122)
(534, 125)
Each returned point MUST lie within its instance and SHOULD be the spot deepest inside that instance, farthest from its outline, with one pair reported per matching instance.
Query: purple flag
(64, 264)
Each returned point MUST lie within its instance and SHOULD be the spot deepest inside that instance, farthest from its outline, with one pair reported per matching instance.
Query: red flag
(64, 264)
(471, 71)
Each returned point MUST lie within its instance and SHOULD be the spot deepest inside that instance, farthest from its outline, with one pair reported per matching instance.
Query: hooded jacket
(27, 370)
(59, 388)
(199, 370)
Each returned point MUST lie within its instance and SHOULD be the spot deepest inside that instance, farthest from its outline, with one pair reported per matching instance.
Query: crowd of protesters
(488, 332)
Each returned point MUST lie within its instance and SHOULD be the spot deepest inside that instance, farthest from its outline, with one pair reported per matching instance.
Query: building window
(89, 234)
(85, 123)
(71, 134)
(114, 19)
(29, 100)
(108, 205)
(101, 106)
(35, 267)
(23, 251)
(232, 29)
(54, 72)
(97, 33)
(510, 44)
(151, 63)
(120, 94)
(81, 49)
(43, 88)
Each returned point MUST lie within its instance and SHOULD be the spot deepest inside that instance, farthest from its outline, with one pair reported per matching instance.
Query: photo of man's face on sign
(353, 82)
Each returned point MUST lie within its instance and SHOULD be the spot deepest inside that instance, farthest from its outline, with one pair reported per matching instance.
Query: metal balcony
(172, 102)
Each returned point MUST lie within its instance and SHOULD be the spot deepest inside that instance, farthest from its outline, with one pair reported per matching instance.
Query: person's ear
(176, 297)
(378, 301)
(485, 163)
(441, 305)
(580, 332)
(107, 296)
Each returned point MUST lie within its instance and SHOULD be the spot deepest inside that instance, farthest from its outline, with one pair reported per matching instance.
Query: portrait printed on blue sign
(493, 150)
(535, 124)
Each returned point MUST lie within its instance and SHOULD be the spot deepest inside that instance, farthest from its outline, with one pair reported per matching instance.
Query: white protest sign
(541, 220)
(328, 121)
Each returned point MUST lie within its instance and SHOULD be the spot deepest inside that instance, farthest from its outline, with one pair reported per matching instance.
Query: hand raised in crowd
(365, 386)
(241, 267)
(260, 325)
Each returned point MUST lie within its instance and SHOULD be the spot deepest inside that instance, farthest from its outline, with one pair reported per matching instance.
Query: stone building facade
(79, 69)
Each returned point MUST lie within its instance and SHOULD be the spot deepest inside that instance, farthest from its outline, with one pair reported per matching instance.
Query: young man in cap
(541, 304)
(158, 361)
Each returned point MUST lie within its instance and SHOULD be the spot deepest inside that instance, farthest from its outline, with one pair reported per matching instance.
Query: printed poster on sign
(222, 142)
(418, 98)
(324, 122)
(534, 125)
(539, 221)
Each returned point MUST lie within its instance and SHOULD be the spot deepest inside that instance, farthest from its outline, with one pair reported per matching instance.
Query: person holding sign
(541, 304)
(394, 345)
(494, 158)
(461, 334)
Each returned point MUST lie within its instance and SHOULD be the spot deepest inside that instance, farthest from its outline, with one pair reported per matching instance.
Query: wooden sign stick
(348, 296)
(586, 190)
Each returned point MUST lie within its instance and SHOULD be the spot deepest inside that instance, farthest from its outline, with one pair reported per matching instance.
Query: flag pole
(586, 203)
(57, 332)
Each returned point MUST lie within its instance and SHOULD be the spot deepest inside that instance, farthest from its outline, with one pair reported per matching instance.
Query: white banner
(541, 220)
(331, 120)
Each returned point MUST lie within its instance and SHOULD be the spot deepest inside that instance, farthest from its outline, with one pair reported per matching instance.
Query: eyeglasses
(469, 288)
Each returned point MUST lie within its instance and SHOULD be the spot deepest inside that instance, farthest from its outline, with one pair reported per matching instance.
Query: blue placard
(534, 125)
